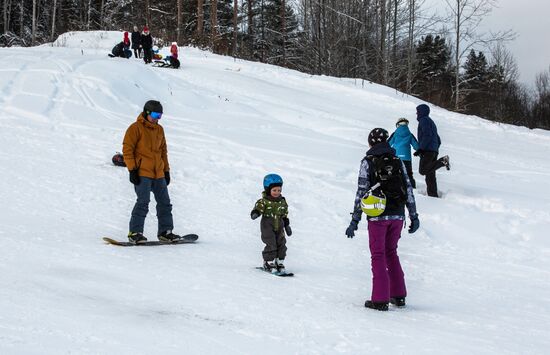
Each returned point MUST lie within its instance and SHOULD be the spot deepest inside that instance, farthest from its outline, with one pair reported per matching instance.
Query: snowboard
(280, 274)
(185, 239)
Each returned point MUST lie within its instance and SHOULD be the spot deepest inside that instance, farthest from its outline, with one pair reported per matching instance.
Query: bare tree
(235, 26)
(147, 13)
(7, 6)
(21, 18)
(382, 45)
(466, 17)
(213, 23)
(54, 11)
(250, 14)
(179, 21)
(410, 46)
(33, 38)
(502, 58)
(200, 18)
(283, 30)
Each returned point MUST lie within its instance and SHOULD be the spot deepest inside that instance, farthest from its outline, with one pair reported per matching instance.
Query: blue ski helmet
(272, 180)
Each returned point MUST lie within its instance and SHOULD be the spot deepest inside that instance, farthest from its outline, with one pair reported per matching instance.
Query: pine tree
(275, 32)
(433, 72)
(475, 84)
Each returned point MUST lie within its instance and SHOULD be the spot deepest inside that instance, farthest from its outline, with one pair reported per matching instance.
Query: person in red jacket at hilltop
(172, 59)
(126, 40)
(174, 50)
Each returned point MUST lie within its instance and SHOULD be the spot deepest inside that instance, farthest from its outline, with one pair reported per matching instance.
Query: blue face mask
(155, 115)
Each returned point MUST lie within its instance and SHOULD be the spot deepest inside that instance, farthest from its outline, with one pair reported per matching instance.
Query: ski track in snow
(476, 270)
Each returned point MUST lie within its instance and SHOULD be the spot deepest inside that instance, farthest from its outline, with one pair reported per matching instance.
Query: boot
(446, 161)
(379, 306)
(168, 237)
(270, 266)
(280, 265)
(136, 238)
(398, 301)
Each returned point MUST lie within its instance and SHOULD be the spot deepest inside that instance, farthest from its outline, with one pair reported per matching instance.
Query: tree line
(443, 60)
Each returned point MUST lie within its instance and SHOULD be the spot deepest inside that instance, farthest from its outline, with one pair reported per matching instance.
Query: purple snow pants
(388, 279)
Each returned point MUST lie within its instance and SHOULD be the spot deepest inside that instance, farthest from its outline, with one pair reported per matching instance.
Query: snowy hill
(477, 271)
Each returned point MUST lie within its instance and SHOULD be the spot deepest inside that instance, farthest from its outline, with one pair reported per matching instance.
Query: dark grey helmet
(152, 106)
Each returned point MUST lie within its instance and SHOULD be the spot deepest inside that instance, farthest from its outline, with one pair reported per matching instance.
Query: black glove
(286, 221)
(418, 153)
(167, 177)
(288, 230)
(415, 224)
(134, 177)
(350, 232)
(255, 214)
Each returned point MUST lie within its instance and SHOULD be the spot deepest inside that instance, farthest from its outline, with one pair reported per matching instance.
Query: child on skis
(401, 140)
(274, 223)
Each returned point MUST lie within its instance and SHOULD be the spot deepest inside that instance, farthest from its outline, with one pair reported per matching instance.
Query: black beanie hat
(378, 135)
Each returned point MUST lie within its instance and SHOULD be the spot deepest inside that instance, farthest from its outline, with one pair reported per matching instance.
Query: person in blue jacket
(428, 144)
(401, 140)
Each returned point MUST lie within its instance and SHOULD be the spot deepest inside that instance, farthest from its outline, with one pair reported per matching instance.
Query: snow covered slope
(477, 271)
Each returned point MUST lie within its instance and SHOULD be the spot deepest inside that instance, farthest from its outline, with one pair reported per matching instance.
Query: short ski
(185, 239)
(280, 274)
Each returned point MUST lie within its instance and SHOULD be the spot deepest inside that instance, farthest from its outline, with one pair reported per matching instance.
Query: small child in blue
(401, 140)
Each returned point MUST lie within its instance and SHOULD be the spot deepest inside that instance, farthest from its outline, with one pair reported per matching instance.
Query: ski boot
(446, 162)
(398, 301)
(270, 266)
(379, 306)
(168, 237)
(280, 265)
(136, 238)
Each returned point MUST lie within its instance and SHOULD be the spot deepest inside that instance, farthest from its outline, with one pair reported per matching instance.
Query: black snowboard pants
(275, 241)
(427, 167)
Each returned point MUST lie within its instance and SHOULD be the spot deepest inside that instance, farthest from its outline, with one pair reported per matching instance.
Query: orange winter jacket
(144, 148)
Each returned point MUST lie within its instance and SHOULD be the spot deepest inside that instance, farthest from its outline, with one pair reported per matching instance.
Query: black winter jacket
(147, 41)
(136, 40)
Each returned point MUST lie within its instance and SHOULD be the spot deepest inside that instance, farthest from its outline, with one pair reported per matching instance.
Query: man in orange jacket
(146, 157)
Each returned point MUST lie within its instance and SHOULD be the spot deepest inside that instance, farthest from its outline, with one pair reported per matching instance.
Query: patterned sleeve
(260, 206)
(363, 185)
(411, 203)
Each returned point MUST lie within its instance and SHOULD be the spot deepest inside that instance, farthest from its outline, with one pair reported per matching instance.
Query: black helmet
(402, 122)
(378, 135)
(152, 106)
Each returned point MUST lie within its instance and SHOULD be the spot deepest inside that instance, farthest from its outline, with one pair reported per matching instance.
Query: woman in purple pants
(388, 279)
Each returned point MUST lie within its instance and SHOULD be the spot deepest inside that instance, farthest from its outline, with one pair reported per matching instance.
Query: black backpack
(387, 170)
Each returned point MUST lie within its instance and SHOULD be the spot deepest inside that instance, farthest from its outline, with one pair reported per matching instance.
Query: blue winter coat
(401, 140)
(428, 139)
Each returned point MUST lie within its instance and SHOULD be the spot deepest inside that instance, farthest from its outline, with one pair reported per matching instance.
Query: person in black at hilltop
(120, 50)
(136, 42)
(147, 45)
(428, 149)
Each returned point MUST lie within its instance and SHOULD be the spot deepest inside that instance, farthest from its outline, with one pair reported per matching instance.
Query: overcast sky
(530, 19)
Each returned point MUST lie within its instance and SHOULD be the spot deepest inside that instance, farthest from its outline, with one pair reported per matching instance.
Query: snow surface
(477, 271)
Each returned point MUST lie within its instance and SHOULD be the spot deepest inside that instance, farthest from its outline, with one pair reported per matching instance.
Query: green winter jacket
(270, 207)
